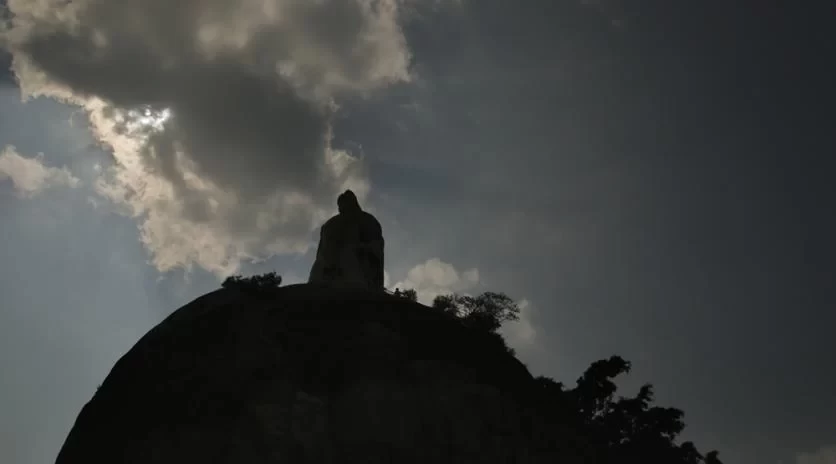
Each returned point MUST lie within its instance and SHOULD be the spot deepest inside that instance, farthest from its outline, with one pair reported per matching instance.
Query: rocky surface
(305, 374)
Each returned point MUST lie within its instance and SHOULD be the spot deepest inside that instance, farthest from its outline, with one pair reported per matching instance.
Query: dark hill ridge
(307, 374)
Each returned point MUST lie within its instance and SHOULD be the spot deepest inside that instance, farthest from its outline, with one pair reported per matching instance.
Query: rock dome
(314, 374)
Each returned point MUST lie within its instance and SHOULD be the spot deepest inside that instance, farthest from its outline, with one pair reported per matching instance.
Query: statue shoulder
(331, 223)
(369, 218)
(371, 225)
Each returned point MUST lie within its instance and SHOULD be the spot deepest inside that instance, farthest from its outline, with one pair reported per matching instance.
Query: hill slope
(305, 374)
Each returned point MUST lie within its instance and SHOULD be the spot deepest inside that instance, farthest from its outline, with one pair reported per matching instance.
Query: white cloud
(824, 455)
(30, 176)
(435, 277)
(218, 114)
(520, 334)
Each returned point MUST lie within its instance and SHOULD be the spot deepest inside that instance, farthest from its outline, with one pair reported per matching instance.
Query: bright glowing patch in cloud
(217, 113)
(147, 120)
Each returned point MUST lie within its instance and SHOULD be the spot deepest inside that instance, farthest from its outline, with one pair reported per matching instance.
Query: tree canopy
(620, 430)
(486, 311)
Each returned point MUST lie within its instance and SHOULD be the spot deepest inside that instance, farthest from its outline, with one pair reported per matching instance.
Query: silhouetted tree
(621, 429)
(712, 457)
(446, 304)
(263, 281)
(487, 311)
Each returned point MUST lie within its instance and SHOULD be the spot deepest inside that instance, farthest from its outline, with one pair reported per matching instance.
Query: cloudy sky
(652, 179)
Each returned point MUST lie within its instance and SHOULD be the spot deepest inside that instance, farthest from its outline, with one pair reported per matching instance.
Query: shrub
(409, 294)
(256, 282)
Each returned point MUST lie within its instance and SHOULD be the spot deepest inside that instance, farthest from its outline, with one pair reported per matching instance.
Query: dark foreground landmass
(305, 374)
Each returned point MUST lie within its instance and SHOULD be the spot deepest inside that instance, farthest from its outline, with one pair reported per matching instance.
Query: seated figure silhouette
(350, 251)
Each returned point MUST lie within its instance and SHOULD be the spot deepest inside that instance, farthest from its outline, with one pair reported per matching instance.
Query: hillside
(308, 374)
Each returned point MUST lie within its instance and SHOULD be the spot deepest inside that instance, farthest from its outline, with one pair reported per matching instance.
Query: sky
(649, 179)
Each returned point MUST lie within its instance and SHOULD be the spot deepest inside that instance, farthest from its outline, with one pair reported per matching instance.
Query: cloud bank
(218, 114)
(30, 176)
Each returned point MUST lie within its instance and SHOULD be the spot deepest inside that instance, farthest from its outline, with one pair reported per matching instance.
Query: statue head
(347, 202)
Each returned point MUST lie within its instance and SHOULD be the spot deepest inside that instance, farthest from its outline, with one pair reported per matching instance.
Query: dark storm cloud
(218, 113)
(6, 76)
(658, 188)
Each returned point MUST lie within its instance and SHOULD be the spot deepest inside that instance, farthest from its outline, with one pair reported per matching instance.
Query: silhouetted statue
(350, 251)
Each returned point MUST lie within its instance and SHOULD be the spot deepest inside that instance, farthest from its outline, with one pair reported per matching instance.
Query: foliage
(487, 311)
(256, 282)
(622, 429)
(409, 294)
